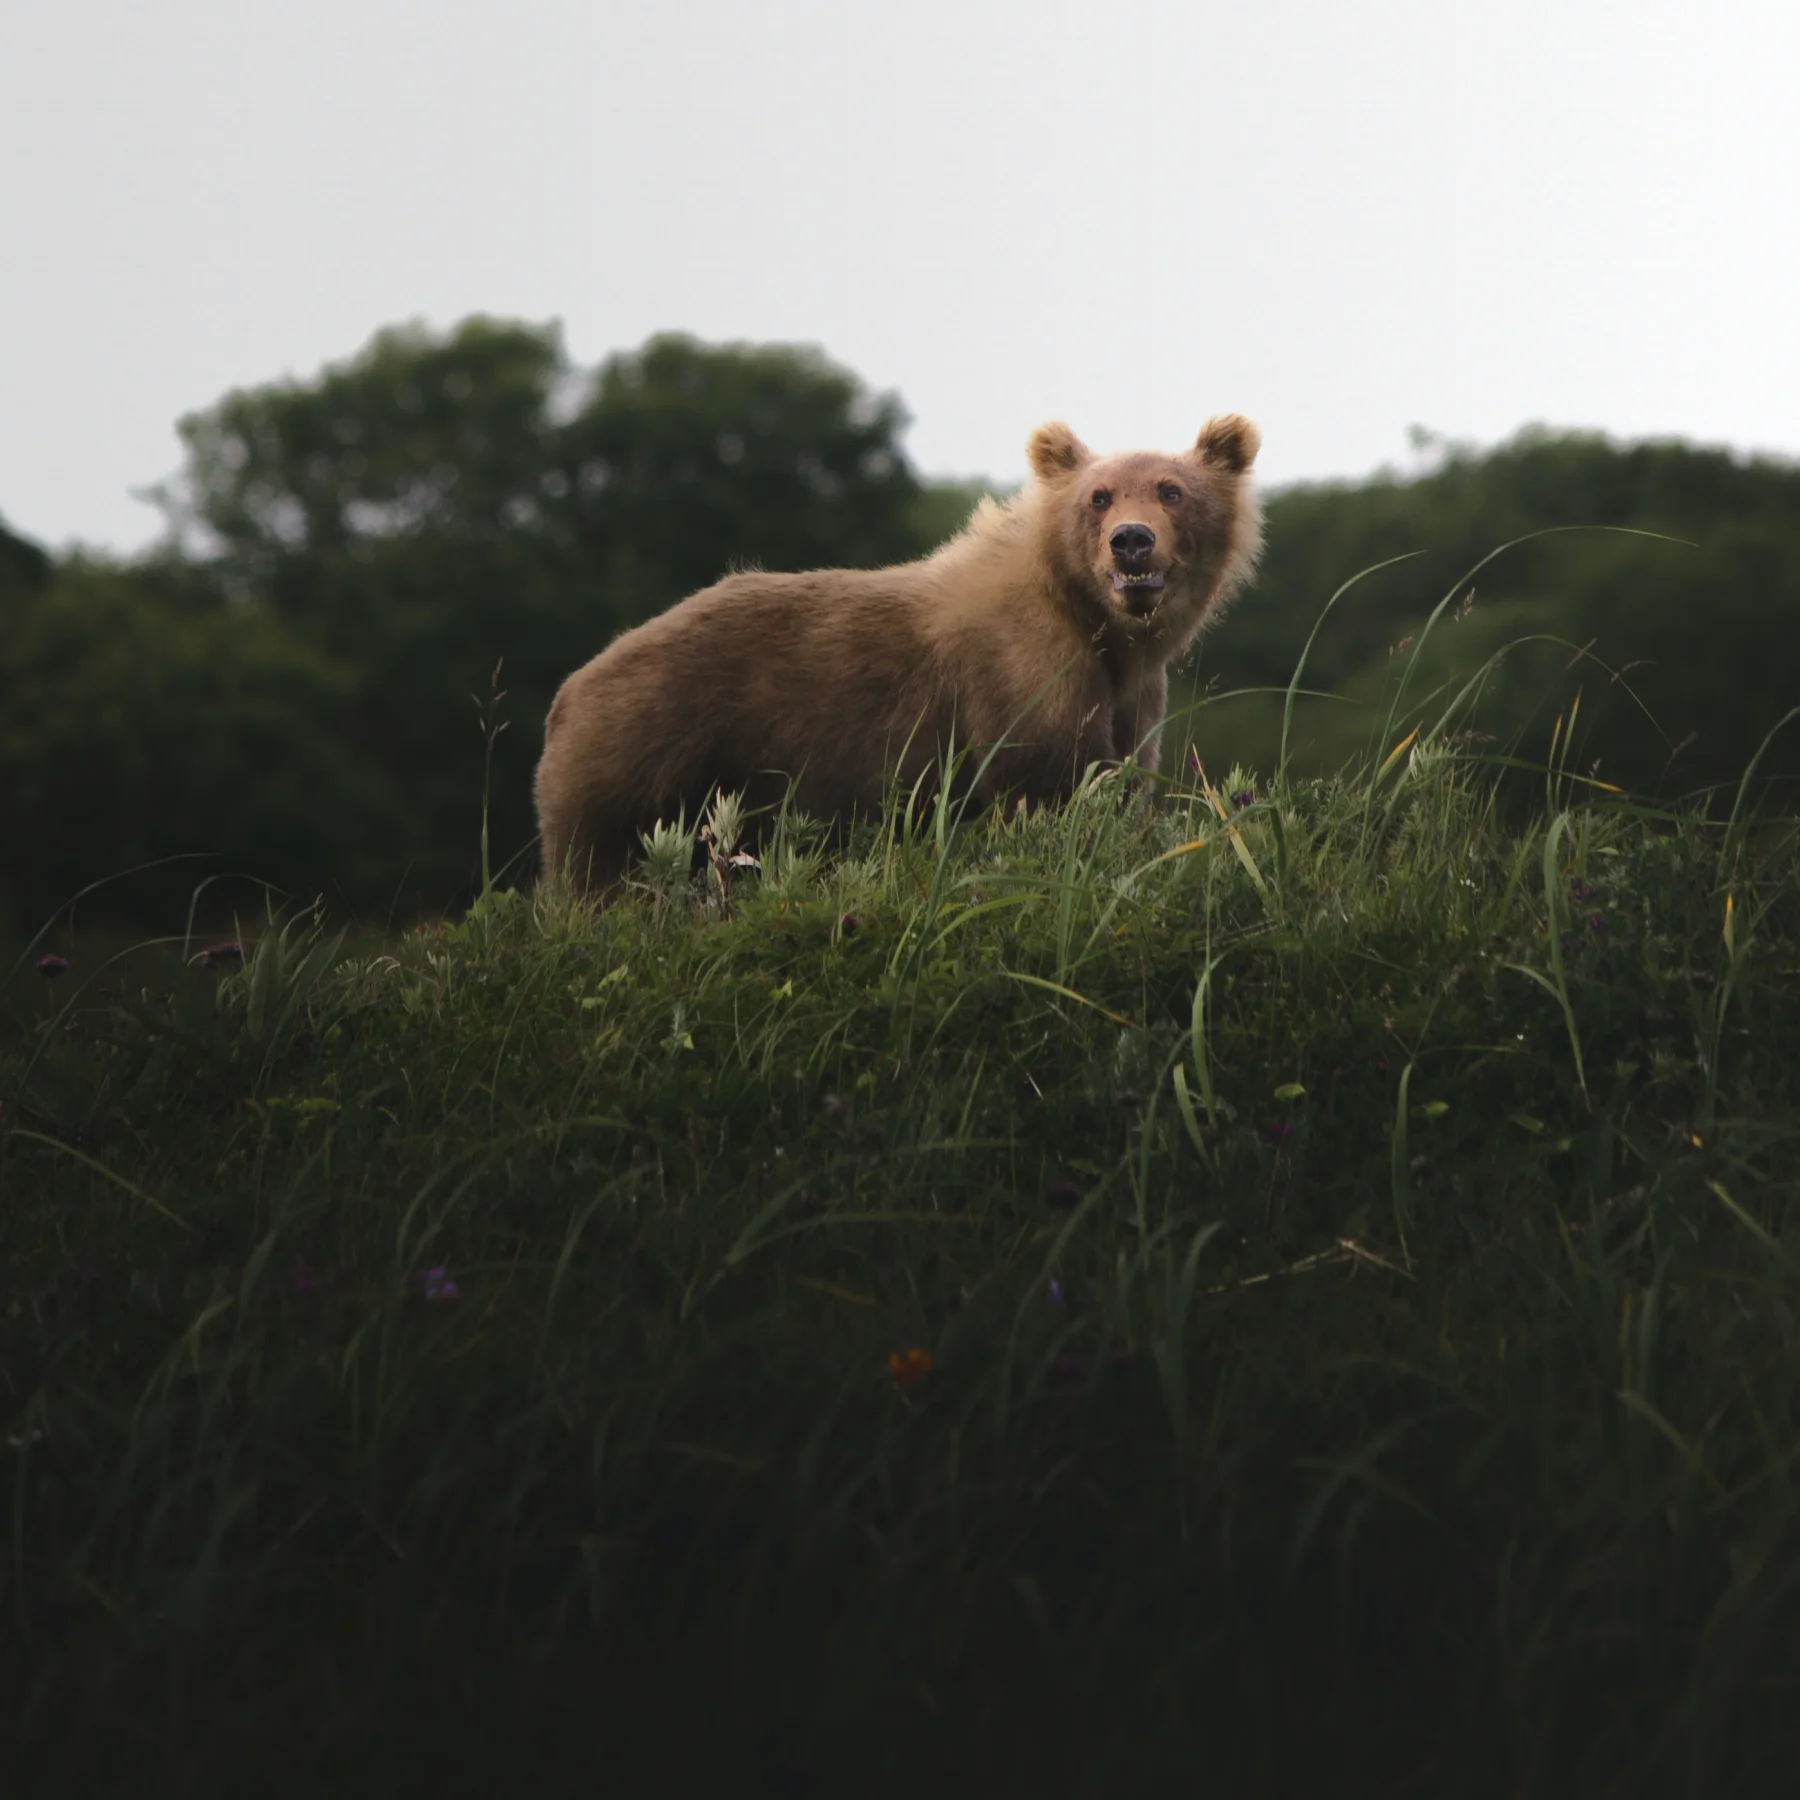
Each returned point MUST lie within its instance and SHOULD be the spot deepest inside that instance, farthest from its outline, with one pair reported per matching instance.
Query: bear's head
(1148, 544)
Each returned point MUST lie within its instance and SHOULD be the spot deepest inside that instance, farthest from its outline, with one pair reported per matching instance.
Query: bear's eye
(1169, 494)
(1102, 500)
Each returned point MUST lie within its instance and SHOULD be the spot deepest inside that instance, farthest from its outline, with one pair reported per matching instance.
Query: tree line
(1642, 595)
(299, 684)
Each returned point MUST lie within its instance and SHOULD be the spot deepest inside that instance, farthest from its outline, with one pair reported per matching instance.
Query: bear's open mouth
(1140, 591)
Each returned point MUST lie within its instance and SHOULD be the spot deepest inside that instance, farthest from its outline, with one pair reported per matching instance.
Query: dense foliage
(1689, 659)
(24, 568)
(1300, 1277)
(147, 716)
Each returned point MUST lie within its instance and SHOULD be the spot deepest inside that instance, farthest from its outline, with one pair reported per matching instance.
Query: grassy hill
(1082, 1301)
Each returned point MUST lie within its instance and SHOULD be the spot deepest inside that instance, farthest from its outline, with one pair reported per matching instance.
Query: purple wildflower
(1597, 923)
(52, 966)
(1064, 1193)
(1240, 801)
(1056, 1295)
(1584, 890)
(1280, 1130)
(435, 1284)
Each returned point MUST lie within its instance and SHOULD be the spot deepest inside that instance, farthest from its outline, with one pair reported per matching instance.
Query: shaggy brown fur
(1049, 622)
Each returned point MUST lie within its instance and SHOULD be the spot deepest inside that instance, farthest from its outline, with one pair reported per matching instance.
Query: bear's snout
(1132, 547)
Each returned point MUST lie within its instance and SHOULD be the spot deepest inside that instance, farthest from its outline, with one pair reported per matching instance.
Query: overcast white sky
(1337, 217)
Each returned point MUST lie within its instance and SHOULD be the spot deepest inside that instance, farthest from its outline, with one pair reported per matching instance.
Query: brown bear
(1045, 628)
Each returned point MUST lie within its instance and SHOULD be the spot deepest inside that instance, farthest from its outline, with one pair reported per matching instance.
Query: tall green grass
(1350, 1236)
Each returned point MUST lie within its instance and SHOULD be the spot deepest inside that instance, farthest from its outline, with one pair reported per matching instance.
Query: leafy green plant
(273, 993)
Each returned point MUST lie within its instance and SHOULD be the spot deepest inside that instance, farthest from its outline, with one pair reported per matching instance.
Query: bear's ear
(1231, 441)
(1055, 450)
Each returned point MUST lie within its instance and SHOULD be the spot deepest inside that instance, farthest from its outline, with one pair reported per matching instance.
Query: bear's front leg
(1138, 720)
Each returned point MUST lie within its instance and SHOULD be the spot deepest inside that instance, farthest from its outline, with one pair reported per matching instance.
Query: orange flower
(908, 1366)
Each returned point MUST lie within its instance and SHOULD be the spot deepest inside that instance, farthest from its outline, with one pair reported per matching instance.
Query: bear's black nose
(1131, 545)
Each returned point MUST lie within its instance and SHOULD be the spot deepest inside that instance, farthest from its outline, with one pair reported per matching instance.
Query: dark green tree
(689, 459)
(144, 721)
(391, 512)
(364, 487)
(24, 568)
